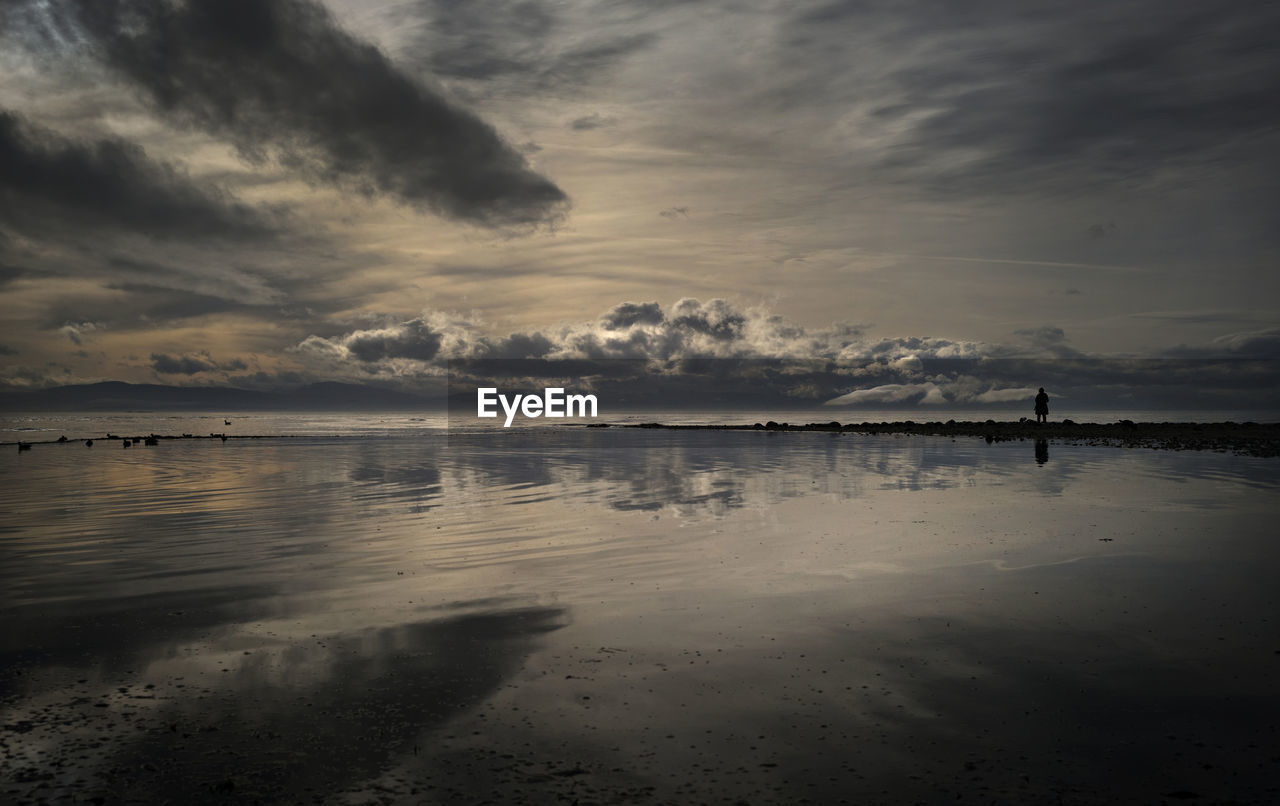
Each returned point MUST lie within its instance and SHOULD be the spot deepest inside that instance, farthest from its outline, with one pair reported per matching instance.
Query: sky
(264, 193)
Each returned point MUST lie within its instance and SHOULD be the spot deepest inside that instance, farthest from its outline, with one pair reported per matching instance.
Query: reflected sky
(645, 616)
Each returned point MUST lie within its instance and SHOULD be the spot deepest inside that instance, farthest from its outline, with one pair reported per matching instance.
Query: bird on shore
(88, 443)
(127, 443)
(226, 422)
(24, 446)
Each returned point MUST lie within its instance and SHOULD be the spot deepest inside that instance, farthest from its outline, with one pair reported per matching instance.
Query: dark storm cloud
(50, 185)
(1103, 92)
(514, 42)
(277, 77)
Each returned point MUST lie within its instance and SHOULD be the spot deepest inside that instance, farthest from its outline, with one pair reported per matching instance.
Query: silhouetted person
(1042, 407)
(1042, 451)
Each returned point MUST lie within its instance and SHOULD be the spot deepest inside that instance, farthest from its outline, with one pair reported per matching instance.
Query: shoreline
(1245, 439)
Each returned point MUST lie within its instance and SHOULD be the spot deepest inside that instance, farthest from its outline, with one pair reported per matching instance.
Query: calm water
(652, 617)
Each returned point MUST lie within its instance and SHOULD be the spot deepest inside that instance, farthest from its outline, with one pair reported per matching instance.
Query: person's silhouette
(1042, 407)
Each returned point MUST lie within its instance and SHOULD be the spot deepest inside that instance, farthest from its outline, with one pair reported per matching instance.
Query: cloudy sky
(268, 192)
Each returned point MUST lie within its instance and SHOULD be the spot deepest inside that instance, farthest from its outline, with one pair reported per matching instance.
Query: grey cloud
(52, 186)
(1073, 93)
(1203, 317)
(413, 339)
(1050, 340)
(892, 394)
(1263, 344)
(181, 365)
(713, 353)
(78, 332)
(627, 314)
(279, 77)
(643, 331)
(1258, 344)
(482, 39)
(23, 377)
(516, 43)
(147, 305)
(523, 346)
(716, 318)
(593, 121)
(165, 364)
(9, 273)
(160, 304)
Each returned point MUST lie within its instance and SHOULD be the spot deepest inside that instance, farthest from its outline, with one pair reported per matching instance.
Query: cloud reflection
(193, 721)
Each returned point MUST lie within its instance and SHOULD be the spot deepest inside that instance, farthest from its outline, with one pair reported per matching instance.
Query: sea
(399, 608)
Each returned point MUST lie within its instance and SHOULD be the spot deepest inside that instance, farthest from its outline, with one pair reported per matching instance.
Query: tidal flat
(638, 616)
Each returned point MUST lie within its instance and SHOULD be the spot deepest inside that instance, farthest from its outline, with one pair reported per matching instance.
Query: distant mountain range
(120, 396)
